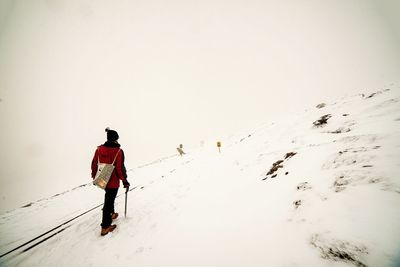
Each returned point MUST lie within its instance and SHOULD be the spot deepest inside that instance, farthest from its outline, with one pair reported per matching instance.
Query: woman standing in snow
(106, 153)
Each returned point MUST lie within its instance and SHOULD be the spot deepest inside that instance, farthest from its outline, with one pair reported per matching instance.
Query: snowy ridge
(318, 188)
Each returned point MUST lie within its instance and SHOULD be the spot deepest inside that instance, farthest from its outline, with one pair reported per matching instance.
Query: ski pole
(126, 199)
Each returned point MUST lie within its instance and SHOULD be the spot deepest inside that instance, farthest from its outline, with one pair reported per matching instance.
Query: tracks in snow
(49, 234)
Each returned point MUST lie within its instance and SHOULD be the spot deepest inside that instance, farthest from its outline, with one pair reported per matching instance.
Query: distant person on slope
(106, 154)
(180, 150)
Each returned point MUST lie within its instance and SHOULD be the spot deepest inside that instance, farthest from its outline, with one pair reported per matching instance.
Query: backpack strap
(115, 156)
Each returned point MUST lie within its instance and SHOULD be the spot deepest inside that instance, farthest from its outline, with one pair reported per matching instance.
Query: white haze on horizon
(162, 74)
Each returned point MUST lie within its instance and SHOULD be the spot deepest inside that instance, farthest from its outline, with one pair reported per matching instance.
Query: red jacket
(106, 154)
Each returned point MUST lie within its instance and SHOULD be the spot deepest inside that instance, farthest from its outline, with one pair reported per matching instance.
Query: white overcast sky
(163, 73)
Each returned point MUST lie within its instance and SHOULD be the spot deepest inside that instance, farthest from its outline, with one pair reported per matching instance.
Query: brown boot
(108, 229)
(114, 216)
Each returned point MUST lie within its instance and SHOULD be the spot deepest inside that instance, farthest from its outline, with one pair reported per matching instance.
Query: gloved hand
(126, 184)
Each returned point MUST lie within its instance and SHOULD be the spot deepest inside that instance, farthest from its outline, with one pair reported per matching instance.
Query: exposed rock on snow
(303, 186)
(322, 121)
(340, 130)
(338, 250)
(297, 203)
(277, 165)
(289, 155)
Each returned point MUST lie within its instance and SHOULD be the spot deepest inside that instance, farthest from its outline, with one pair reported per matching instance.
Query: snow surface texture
(319, 188)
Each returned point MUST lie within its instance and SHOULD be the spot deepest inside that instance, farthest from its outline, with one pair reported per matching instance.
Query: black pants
(108, 208)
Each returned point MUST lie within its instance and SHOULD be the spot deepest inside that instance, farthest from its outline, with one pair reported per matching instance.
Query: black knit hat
(111, 135)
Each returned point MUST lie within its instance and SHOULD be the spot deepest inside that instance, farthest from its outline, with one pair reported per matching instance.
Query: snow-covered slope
(317, 188)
